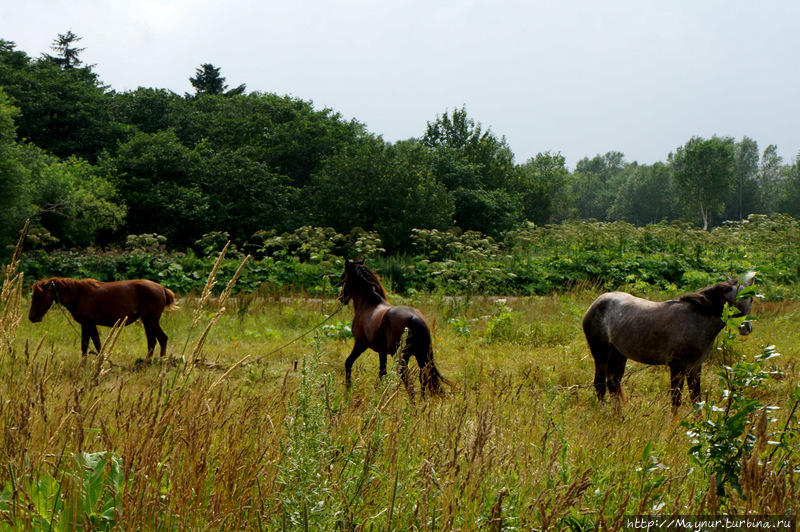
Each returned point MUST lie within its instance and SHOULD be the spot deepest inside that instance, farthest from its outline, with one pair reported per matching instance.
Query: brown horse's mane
(369, 282)
(710, 299)
(69, 289)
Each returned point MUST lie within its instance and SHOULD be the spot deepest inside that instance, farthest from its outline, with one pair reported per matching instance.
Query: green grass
(520, 441)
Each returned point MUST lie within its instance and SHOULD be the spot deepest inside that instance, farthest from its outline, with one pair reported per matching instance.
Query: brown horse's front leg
(86, 333)
(693, 381)
(677, 373)
(95, 337)
(348, 364)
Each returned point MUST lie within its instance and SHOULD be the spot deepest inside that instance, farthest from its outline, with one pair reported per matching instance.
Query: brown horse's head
(712, 300)
(44, 293)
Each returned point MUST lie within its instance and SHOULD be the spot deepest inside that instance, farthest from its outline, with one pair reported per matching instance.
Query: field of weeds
(207, 440)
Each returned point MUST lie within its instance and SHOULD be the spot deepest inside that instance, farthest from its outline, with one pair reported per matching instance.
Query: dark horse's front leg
(348, 364)
(382, 364)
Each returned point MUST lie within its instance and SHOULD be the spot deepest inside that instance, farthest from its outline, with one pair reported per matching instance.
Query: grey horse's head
(742, 304)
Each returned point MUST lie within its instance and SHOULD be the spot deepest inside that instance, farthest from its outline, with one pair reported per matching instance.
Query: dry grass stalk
(11, 297)
(209, 286)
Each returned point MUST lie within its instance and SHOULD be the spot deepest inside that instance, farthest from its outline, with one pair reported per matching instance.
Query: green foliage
(705, 171)
(86, 494)
(723, 431)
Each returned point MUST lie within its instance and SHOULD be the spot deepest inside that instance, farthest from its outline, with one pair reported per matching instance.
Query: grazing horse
(379, 326)
(94, 303)
(678, 333)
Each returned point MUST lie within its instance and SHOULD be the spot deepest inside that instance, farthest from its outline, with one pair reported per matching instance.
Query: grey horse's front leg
(677, 374)
(693, 381)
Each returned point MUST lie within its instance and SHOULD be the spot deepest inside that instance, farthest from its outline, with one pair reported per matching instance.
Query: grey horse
(678, 333)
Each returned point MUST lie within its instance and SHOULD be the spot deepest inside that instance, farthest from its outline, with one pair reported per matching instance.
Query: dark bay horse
(379, 326)
(678, 333)
(94, 303)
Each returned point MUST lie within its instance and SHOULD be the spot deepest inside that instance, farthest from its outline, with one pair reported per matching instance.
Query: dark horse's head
(714, 298)
(44, 293)
(357, 280)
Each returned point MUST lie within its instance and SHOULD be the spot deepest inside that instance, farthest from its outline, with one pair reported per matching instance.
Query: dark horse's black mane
(710, 300)
(367, 281)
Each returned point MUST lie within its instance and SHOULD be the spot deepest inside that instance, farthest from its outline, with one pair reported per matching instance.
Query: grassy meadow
(275, 442)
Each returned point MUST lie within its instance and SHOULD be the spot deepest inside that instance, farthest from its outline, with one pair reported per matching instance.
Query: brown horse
(379, 326)
(94, 303)
(678, 333)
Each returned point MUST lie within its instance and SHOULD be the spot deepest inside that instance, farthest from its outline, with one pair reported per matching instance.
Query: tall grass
(283, 445)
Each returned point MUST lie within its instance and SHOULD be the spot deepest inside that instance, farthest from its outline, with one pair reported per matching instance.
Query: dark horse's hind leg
(616, 368)
(382, 361)
(677, 374)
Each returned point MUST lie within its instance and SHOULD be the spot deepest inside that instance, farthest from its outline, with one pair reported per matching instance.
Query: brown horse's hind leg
(162, 338)
(693, 381)
(677, 374)
(95, 337)
(150, 333)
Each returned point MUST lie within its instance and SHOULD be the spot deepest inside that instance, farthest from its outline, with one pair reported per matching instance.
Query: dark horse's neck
(368, 292)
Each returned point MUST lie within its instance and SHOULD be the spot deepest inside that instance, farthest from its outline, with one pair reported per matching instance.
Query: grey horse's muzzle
(745, 328)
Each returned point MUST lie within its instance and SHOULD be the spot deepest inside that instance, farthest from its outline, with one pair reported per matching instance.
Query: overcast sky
(582, 78)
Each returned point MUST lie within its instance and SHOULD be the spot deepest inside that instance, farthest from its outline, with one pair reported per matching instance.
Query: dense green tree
(158, 179)
(789, 196)
(769, 177)
(594, 184)
(647, 195)
(540, 187)
(71, 200)
(704, 170)
(378, 186)
(13, 175)
(744, 196)
(145, 109)
(208, 80)
(66, 52)
(468, 156)
(491, 212)
(243, 195)
(65, 112)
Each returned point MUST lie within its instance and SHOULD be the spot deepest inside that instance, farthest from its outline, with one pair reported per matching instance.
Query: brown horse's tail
(420, 344)
(171, 303)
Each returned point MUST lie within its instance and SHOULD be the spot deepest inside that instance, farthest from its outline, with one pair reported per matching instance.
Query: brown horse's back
(135, 299)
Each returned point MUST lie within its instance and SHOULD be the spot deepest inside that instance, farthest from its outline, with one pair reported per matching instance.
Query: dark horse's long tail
(419, 344)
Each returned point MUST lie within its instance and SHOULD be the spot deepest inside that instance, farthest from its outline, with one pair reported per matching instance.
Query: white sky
(580, 77)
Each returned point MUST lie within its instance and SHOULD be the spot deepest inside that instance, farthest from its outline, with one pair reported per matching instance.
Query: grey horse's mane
(711, 299)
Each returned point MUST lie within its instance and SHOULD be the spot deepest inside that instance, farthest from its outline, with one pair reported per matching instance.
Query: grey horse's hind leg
(693, 381)
(600, 354)
(616, 368)
(677, 374)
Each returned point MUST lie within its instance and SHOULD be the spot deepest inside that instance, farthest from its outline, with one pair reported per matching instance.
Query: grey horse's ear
(730, 280)
(360, 261)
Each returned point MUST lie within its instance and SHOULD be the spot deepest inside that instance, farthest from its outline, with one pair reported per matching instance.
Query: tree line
(91, 165)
